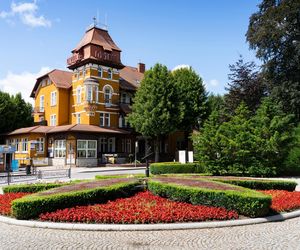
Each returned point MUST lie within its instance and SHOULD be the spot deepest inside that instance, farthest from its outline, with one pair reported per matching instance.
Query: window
(87, 148)
(111, 145)
(83, 71)
(53, 98)
(77, 118)
(17, 143)
(100, 71)
(60, 149)
(89, 93)
(109, 74)
(104, 119)
(42, 103)
(103, 143)
(123, 99)
(107, 94)
(25, 144)
(40, 144)
(52, 120)
(78, 94)
(126, 145)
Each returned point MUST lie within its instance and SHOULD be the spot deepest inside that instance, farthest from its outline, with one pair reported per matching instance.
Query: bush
(249, 203)
(175, 167)
(261, 184)
(31, 188)
(33, 205)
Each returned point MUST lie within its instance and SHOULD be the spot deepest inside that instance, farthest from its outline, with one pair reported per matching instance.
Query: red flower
(144, 207)
(283, 200)
(6, 200)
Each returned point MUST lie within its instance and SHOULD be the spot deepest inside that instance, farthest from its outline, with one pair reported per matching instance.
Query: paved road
(279, 235)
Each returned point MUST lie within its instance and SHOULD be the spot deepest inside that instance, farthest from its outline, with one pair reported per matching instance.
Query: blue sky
(37, 36)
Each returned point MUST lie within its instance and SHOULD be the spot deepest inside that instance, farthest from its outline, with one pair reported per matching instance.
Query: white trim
(114, 113)
(80, 112)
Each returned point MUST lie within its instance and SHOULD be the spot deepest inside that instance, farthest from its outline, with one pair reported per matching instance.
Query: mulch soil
(85, 185)
(198, 183)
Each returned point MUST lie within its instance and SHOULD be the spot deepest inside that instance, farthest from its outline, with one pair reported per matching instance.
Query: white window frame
(42, 103)
(78, 118)
(86, 150)
(111, 145)
(128, 145)
(25, 145)
(40, 145)
(60, 149)
(107, 119)
(78, 95)
(89, 93)
(102, 144)
(101, 119)
(107, 96)
(53, 98)
(53, 121)
(17, 144)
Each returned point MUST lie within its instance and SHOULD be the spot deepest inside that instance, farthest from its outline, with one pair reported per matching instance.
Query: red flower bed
(144, 207)
(6, 200)
(283, 200)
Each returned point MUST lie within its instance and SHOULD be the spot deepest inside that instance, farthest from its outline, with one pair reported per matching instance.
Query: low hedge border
(31, 188)
(261, 184)
(104, 177)
(249, 203)
(175, 167)
(32, 206)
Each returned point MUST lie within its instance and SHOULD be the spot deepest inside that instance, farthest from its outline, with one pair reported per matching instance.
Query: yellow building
(80, 114)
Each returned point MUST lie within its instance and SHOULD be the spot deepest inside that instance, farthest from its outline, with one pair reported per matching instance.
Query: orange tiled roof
(34, 129)
(130, 78)
(60, 78)
(99, 37)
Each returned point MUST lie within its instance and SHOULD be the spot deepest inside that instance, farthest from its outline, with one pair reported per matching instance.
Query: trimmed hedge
(32, 206)
(104, 177)
(31, 188)
(249, 203)
(175, 167)
(261, 184)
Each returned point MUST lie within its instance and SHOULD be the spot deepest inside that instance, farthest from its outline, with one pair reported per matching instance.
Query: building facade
(80, 114)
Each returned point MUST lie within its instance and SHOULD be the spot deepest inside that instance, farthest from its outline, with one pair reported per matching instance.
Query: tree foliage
(157, 110)
(14, 112)
(192, 95)
(245, 145)
(274, 32)
(246, 85)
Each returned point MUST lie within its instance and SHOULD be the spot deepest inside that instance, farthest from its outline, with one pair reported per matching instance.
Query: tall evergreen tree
(157, 110)
(274, 32)
(246, 85)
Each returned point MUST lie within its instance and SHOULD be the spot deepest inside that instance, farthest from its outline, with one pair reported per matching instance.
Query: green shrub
(175, 167)
(249, 203)
(31, 188)
(261, 184)
(32, 206)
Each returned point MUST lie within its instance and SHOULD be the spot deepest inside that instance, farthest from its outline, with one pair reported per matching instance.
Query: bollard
(147, 169)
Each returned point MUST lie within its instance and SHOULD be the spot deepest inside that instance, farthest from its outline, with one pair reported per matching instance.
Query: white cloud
(23, 82)
(27, 12)
(212, 83)
(181, 66)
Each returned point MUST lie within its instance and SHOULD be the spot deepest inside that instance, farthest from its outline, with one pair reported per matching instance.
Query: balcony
(38, 111)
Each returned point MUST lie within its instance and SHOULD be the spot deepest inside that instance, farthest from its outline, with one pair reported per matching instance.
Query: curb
(148, 227)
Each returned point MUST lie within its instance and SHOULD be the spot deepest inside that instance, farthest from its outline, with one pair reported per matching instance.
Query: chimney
(141, 67)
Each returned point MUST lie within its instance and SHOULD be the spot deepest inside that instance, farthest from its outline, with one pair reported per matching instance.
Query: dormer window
(109, 74)
(100, 71)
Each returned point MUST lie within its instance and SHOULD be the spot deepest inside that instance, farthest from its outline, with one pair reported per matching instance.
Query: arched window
(109, 74)
(107, 94)
(100, 71)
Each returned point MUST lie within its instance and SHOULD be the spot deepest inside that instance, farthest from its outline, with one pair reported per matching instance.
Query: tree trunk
(156, 149)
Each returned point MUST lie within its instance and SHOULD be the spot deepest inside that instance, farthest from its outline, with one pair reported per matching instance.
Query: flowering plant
(6, 200)
(144, 207)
